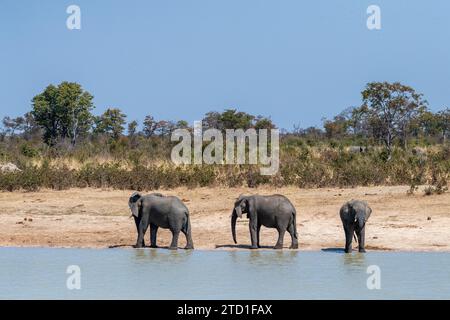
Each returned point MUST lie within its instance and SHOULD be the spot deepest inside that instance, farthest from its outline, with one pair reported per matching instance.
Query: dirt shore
(94, 218)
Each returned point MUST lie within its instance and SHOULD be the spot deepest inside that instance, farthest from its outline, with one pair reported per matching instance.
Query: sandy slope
(100, 218)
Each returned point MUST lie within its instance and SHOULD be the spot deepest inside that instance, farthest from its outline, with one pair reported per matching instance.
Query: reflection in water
(161, 255)
(354, 259)
(264, 257)
(261, 274)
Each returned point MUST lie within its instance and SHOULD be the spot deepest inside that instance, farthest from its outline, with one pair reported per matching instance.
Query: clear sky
(295, 61)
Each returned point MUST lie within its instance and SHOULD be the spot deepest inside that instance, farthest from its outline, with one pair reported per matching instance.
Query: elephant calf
(157, 211)
(275, 211)
(354, 215)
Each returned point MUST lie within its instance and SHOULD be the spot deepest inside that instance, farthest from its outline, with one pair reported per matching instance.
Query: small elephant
(354, 215)
(157, 211)
(275, 211)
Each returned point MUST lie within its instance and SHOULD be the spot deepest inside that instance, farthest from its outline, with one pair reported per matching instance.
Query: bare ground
(96, 218)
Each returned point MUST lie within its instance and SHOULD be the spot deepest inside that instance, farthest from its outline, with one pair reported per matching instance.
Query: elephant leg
(361, 240)
(293, 233)
(258, 230)
(253, 226)
(137, 221)
(279, 244)
(153, 232)
(174, 244)
(348, 238)
(189, 242)
(143, 225)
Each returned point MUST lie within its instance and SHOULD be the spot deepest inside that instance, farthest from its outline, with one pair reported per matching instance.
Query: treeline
(391, 138)
(64, 113)
(390, 114)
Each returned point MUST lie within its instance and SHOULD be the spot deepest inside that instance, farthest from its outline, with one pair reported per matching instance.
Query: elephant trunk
(233, 225)
(360, 223)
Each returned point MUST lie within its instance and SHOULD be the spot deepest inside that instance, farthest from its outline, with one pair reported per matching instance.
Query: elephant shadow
(239, 246)
(333, 250)
(120, 246)
(133, 247)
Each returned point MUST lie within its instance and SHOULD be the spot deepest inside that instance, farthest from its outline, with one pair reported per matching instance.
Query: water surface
(37, 273)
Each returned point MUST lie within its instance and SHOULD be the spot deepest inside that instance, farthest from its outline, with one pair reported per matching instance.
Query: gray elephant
(275, 211)
(156, 210)
(354, 215)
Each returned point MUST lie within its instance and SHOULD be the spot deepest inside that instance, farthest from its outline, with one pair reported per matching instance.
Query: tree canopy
(111, 122)
(63, 111)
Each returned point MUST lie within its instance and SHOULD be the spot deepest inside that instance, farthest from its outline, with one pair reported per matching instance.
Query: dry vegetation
(301, 166)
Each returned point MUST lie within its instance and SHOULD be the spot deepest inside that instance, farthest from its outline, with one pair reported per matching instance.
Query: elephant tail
(187, 226)
(294, 222)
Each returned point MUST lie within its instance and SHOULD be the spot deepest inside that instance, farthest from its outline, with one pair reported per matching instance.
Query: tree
(132, 128)
(427, 123)
(339, 126)
(12, 125)
(182, 124)
(164, 128)
(391, 106)
(63, 111)
(312, 133)
(263, 123)
(211, 120)
(132, 133)
(444, 123)
(150, 126)
(30, 128)
(111, 122)
(232, 119)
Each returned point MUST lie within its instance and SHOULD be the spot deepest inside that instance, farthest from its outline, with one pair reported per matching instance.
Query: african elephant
(275, 211)
(157, 211)
(354, 215)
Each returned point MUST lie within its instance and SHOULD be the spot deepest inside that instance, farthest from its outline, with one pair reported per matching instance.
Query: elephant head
(242, 205)
(362, 214)
(135, 203)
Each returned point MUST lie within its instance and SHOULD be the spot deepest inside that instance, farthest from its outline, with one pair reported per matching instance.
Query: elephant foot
(138, 246)
(294, 246)
(173, 248)
(362, 250)
(348, 250)
(254, 247)
(191, 247)
(278, 246)
(154, 246)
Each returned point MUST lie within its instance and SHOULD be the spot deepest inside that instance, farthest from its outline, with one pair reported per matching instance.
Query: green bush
(29, 151)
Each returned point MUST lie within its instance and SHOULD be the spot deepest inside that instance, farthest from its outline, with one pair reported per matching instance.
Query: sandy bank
(96, 218)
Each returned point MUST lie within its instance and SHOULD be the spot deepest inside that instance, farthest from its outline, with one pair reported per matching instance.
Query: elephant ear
(251, 208)
(237, 210)
(135, 204)
(368, 212)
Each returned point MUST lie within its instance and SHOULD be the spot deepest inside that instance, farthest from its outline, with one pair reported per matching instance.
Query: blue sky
(295, 61)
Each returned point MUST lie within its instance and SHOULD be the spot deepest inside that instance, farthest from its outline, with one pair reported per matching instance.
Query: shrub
(29, 151)
(146, 166)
